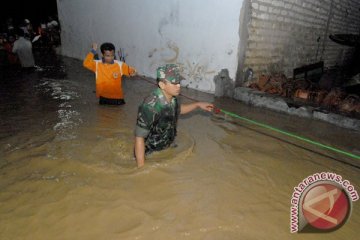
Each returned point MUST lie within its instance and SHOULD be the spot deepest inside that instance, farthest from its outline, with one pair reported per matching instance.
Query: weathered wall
(287, 34)
(200, 35)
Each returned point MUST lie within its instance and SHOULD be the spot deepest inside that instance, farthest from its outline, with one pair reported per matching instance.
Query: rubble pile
(309, 93)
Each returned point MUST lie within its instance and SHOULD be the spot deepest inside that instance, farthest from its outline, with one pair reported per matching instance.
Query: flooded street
(67, 169)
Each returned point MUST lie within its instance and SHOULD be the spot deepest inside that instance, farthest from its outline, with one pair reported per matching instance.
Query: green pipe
(277, 130)
(291, 134)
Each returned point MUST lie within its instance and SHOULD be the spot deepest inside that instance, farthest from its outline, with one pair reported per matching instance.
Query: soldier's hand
(206, 106)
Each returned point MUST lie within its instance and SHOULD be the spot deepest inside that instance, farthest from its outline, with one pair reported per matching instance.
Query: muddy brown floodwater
(67, 169)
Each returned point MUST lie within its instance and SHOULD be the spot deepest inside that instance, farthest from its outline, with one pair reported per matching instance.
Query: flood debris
(306, 92)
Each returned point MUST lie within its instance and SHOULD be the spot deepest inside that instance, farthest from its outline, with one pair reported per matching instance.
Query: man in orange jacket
(108, 74)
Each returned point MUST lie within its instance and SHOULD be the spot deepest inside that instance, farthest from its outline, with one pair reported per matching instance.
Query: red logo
(325, 207)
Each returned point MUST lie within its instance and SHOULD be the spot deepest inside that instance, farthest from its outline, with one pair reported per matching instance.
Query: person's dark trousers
(110, 101)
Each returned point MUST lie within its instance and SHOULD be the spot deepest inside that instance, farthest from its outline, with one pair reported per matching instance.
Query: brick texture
(287, 34)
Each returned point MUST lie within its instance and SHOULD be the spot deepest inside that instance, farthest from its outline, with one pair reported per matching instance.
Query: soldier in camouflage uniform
(157, 121)
(158, 114)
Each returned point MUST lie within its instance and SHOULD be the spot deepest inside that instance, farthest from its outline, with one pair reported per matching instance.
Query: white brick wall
(283, 34)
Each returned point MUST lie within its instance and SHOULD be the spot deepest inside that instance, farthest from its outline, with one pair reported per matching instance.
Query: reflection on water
(67, 169)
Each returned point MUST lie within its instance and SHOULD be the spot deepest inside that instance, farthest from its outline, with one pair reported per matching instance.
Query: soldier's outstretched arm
(186, 108)
(140, 151)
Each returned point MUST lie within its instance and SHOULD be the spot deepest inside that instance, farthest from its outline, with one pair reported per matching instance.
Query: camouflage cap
(169, 72)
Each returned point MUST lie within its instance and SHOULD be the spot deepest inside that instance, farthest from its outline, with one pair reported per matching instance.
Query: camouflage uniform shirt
(156, 121)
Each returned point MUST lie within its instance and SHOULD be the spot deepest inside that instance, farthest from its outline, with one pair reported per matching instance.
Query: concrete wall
(283, 35)
(202, 36)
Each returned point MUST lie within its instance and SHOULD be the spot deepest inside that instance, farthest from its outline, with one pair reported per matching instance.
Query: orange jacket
(108, 76)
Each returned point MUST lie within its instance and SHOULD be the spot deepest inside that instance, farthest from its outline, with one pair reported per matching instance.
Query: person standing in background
(23, 48)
